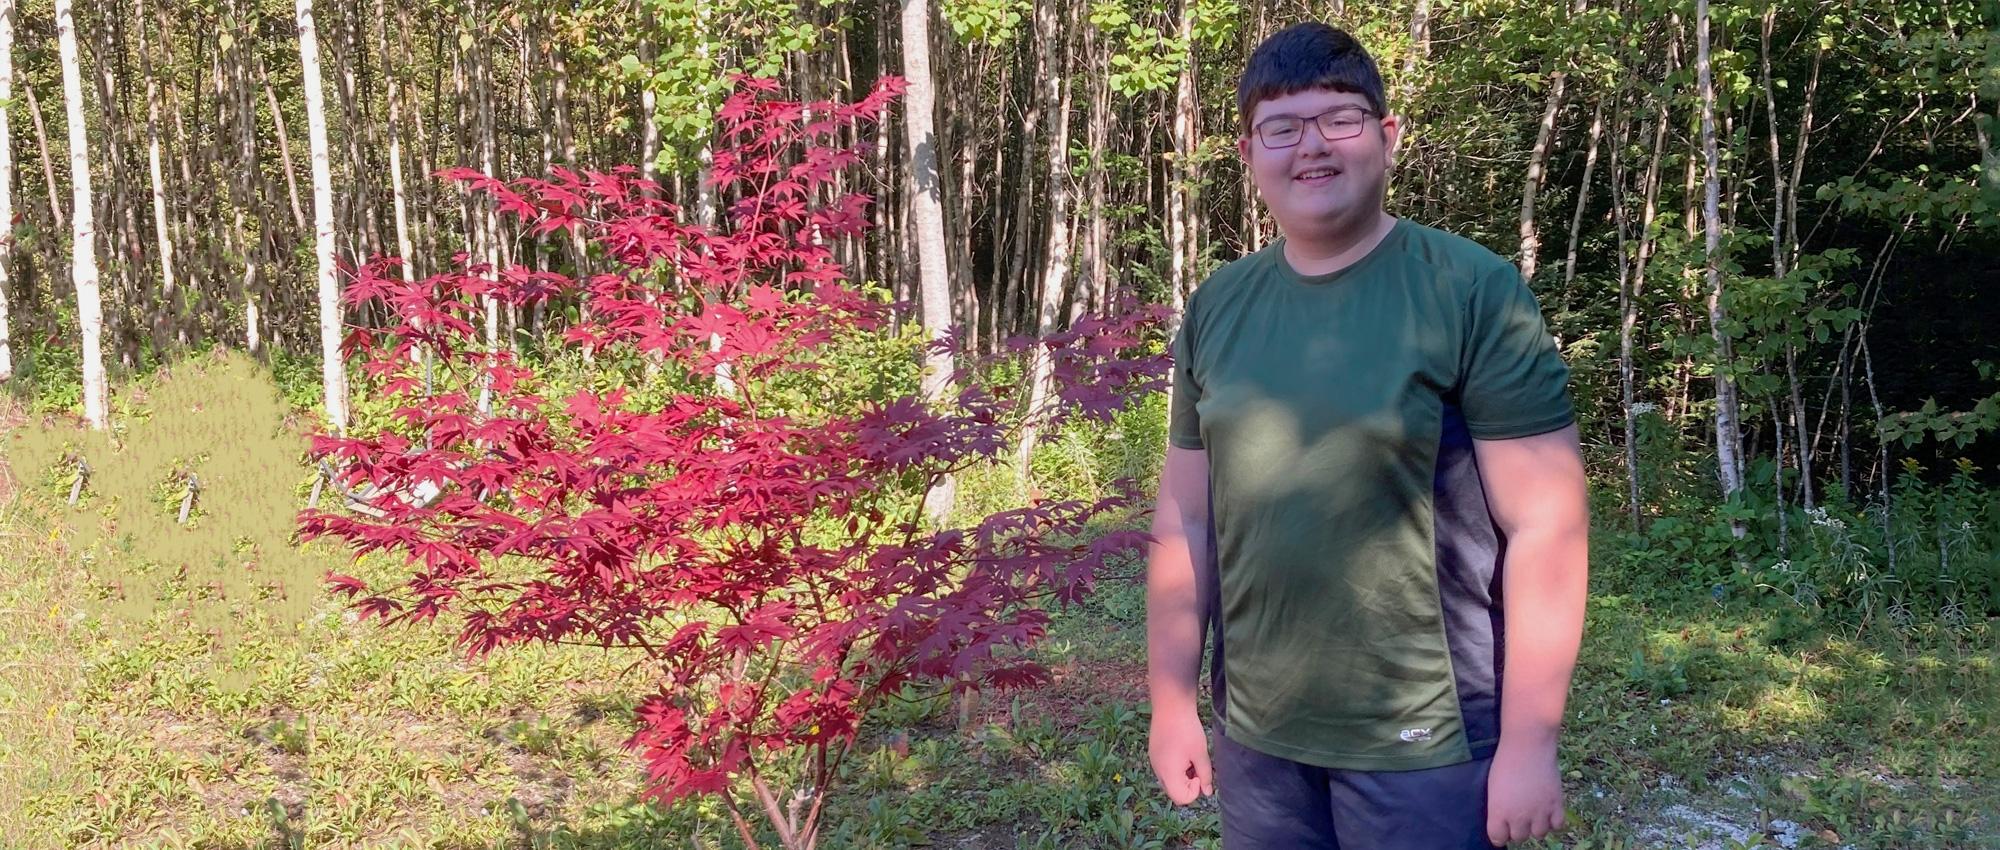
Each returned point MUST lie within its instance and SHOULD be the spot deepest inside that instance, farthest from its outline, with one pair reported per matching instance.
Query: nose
(1313, 141)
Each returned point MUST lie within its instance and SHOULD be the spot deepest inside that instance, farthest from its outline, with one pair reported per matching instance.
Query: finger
(1496, 832)
(1204, 773)
(1554, 822)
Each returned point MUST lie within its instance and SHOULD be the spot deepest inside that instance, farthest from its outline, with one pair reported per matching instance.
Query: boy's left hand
(1524, 794)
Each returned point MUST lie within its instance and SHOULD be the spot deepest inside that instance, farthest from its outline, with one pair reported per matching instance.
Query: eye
(1281, 130)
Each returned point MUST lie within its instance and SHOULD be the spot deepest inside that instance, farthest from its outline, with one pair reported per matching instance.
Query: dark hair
(1307, 56)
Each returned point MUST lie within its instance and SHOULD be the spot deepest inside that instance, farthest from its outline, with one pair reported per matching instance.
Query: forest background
(1725, 209)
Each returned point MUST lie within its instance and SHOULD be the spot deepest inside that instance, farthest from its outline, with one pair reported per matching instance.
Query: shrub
(720, 500)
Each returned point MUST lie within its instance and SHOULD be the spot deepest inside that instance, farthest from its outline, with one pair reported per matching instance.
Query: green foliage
(994, 23)
(298, 379)
(1928, 200)
(52, 376)
(1147, 50)
(1664, 675)
(698, 45)
(1959, 428)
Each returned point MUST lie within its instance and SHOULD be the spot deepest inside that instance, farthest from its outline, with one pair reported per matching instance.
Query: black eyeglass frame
(1325, 132)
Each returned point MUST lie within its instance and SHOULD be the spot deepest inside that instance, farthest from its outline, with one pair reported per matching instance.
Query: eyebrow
(1363, 107)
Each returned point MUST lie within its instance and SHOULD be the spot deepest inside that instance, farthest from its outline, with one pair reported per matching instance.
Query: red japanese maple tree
(766, 563)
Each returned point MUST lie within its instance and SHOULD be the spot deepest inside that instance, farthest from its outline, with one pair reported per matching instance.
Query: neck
(1311, 253)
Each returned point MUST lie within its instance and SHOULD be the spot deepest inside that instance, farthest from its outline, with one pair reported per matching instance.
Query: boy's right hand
(1178, 746)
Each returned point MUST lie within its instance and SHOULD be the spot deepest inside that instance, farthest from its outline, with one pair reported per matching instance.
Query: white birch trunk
(649, 127)
(333, 371)
(1054, 89)
(926, 208)
(1531, 241)
(1182, 235)
(398, 193)
(83, 226)
(1420, 47)
(1728, 431)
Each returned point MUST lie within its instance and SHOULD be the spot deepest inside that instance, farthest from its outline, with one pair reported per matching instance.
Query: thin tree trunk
(399, 194)
(191, 270)
(432, 245)
(6, 186)
(958, 205)
(649, 127)
(333, 370)
(42, 150)
(706, 204)
(1531, 185)
(483, 207)
(1054, 93)
(1420, 45)
(1778, 252)
(223, 204)
(1778, 482)
(1183, 233)
(128, 302)
(1097, 268)
(83, 227)
(1583, 197)
(284, 147)
(168, 296)
(250, 192)
(1628, 312)
(1781, 253)
(360, 198)
(927, 217)
(1024, 188)
(1882, 449)
(566, 141)
(1728, 429)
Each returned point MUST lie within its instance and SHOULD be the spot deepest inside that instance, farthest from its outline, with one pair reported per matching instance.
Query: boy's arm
(1536, 491)
(1176, 570)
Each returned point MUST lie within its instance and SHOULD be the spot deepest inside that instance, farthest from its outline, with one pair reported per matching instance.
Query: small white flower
(1820, 518)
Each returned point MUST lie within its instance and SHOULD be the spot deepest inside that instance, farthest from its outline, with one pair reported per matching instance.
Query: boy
(1377, 421)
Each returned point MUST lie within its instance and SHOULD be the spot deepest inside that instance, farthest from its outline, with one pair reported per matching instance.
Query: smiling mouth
(1317, 175)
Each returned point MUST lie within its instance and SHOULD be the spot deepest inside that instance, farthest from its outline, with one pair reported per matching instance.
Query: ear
(1243, 148)
(1392, 136)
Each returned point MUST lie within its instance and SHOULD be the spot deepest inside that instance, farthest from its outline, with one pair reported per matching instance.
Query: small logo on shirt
(1415, 735)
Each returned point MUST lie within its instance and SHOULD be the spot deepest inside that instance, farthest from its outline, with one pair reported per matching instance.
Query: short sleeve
(1183, 422)
(1512, 380)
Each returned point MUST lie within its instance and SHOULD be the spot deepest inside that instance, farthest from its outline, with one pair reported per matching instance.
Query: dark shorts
(1270, 803)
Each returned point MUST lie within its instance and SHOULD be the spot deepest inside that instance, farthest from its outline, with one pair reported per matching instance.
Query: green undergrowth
(155, 694)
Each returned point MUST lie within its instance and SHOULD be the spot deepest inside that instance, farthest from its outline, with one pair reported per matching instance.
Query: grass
(265, 716)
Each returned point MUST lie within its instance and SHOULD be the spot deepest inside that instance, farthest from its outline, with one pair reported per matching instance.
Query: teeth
(1319, 173)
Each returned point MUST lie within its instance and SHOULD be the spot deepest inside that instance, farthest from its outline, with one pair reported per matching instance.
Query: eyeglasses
(1341, 122)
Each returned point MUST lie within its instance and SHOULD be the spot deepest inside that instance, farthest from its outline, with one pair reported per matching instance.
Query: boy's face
(1318, 185)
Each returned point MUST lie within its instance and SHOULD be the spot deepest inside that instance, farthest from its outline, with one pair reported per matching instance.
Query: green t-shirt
(1320, 401)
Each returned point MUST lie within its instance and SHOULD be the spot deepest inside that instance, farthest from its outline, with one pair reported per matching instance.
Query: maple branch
(811, 827)
(742, 826)
(770, 802)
